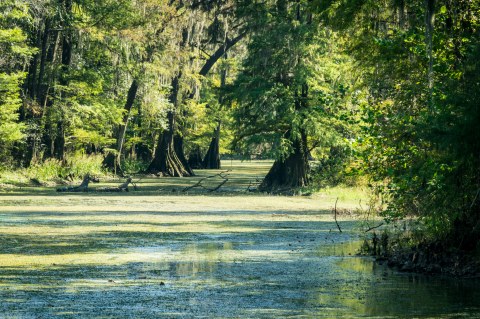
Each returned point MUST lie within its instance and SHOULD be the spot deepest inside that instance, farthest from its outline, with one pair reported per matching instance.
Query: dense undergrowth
(74, 167)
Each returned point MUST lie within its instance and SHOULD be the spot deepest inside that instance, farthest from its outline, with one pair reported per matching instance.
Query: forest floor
(162, 252)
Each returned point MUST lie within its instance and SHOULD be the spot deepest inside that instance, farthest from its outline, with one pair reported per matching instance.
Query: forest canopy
(330, 90)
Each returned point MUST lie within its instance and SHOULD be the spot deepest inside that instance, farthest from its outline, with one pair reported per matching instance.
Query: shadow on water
(274, 267)
(235, 276)
(387, 293)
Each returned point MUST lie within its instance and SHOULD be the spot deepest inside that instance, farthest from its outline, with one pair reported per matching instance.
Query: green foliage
(14, 54)
(133, 166)
(75, 166)
(10, 129)
(385, 89)
(296, 81)
(421, 141)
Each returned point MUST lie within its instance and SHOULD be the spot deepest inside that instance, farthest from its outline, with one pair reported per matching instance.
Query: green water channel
(285, 270)
(153, 255)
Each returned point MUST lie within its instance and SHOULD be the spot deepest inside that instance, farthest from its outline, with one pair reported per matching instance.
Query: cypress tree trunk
(195, 158)
(36, 93)
(67, 46)
(43, 58)
(429, 28)
(169, 159)
(32, 73)
(54, 134)
(166, 160)
(212, 158)
(59, 146)
(290, 172)
(178, 146)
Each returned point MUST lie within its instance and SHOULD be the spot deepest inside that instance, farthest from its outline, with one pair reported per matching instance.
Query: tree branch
(219, 53)
(335, 216)
(374, 227)
(199, 183)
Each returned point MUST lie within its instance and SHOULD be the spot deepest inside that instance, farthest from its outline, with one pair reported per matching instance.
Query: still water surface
(249, 264)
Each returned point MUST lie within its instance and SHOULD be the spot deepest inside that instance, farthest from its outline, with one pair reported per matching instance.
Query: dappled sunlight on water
(184, 257)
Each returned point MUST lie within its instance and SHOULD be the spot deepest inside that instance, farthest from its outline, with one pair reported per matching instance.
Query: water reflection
(382, 292)
(271, 274)
(331, 282)
(204, 258)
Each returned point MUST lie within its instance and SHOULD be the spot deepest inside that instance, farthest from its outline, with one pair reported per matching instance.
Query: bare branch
(374, 227)
(335, 211)
(199, 183)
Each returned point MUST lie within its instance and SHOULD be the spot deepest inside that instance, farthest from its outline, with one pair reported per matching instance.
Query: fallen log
(83, 187)
(121, 188)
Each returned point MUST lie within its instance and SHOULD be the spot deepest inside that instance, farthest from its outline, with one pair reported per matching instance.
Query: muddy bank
(425, 261)
(426, 258)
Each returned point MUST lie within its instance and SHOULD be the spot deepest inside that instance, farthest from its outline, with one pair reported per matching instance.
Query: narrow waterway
(203, 257)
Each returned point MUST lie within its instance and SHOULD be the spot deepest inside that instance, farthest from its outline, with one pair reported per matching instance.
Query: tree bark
(429, 28)
(166, 160)
(292, 171)
(219, 53)
(57, 143)
(43, 58)
(195, 160)
(288, 173)
(32, 73)
(212, 158)
(169, 158)
(178, 146)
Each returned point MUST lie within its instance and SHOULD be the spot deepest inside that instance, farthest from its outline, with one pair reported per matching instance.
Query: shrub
(75, 166)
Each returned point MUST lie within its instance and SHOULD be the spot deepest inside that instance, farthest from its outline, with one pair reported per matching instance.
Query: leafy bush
(75, 166)
(130, 166)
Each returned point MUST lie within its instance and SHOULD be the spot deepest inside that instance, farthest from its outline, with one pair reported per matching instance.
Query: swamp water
(224, 256)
